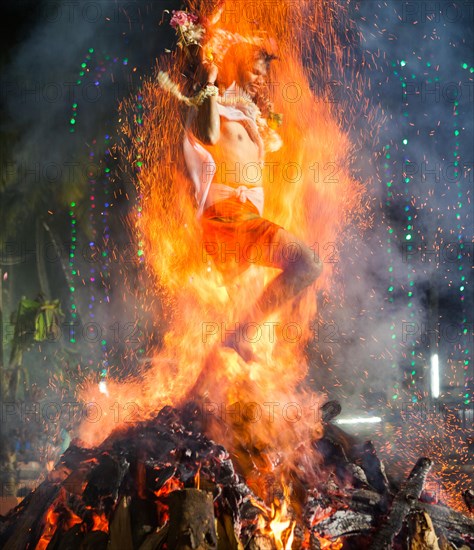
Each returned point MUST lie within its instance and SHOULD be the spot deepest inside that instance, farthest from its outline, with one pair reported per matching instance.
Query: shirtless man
(233, 203)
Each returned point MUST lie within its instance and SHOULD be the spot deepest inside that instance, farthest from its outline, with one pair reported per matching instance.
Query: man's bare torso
(236, 156)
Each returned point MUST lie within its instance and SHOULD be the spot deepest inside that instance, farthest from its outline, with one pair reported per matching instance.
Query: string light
(138, 168)
(97, 278)
(73, 272)
(410, 235)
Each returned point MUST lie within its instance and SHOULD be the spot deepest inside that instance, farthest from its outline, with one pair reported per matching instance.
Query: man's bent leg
(300, 268)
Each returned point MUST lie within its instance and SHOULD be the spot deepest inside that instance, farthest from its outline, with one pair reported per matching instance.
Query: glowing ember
(100, 523)
(173, 484)
(326, 544)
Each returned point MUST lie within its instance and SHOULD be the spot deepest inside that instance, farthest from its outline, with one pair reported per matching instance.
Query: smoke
(61, 90)
(366, 340)
(55, 67)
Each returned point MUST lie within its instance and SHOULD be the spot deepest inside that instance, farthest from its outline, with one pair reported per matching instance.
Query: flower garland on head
(190, 31)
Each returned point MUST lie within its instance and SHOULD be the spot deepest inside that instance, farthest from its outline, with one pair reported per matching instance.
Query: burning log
(454, 525)
(163, 484)
(359, 479)
(344, 523)
(16, 535)
(421, 533)
(374, 469)
(226, 538)
(333, 456)
(366, 501)
(261, 542)
(191, 525)
(468, 497)
(102, 488)
(124, 489)
(402, 504)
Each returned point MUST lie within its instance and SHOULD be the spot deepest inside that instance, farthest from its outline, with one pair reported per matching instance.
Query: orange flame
(309, 191)
(100, 523)
(72, 520)
(327, 544)
(172, 484)
(282, 527)
(51, 524)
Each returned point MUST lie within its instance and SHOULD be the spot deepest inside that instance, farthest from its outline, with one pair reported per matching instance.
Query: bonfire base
(163, 484)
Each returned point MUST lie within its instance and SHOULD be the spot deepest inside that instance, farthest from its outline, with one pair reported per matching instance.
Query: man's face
(253, 79)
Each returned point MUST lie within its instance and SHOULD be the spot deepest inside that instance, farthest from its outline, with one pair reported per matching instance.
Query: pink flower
(182, 18)
(179, 18)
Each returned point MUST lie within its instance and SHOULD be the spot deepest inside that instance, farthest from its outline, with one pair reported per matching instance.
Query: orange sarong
(236, 236)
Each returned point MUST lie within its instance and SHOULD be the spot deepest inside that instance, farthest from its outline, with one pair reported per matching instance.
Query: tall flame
(309, 191)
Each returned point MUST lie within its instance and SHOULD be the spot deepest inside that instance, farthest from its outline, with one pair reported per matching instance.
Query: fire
(197, 478)
(282, 527)
(100, 523)
(198, 307)
(51, 524)
(262, 405)
(72, 520)
(57, 516)
(326, 544)
(172, 484)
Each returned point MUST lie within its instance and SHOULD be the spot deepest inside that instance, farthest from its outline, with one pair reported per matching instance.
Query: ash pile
(164, 485)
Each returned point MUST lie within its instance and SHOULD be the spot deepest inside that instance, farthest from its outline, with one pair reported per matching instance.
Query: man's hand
(211, 70)
(207, 72)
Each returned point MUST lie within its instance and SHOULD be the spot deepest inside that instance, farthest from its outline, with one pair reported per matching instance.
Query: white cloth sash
(219, 192)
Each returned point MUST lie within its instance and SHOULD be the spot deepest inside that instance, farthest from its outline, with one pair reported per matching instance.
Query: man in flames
(230, 127)
(226, 139)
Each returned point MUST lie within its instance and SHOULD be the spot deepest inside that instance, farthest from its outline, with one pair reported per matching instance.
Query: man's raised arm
(206, 125)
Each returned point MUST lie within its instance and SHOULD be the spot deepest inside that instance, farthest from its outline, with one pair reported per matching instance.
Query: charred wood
(72, 539)
(128, 488)
(261, 542)
(421, 533)
(457, 527)
(143, 518)
(468, 497)
(403, 502)
(95, 540)
(340, 437)
(226, 538)
(330, 410)
(28, 525)
(374, 469)
(344, 523)
(155, 540)
(121, 528)
(191, 525)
